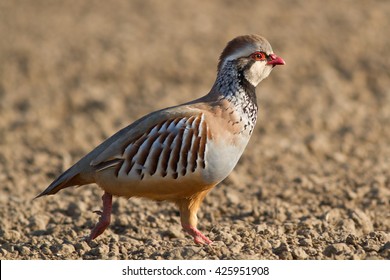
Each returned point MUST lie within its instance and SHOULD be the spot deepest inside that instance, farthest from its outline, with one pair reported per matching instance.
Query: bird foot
(105, 217)
(199, 238)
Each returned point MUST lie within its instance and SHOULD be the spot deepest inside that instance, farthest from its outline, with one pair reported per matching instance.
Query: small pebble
(299, 253)
(175, 232)
(362, 220)
(336, 249)
(66, 249)
(236, 248)
(24, 251)
(12, 235)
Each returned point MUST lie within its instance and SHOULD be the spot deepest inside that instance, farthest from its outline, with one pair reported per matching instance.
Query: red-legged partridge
(180, 153)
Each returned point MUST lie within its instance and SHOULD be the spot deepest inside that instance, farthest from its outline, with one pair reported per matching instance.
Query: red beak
(275, 60)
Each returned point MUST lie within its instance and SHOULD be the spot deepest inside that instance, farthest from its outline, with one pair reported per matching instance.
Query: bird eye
(258, 56)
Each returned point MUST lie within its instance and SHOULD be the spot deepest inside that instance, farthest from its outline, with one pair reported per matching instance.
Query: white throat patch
(257, 72)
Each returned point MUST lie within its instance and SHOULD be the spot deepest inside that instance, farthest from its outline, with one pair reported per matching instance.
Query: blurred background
(317, 168)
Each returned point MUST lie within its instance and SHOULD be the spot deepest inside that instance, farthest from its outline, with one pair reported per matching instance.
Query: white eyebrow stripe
(241, 52)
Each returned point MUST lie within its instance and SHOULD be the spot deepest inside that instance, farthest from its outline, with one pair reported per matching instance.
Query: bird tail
(69, 178)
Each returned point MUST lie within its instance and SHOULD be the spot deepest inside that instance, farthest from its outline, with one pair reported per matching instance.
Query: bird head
(249, 55)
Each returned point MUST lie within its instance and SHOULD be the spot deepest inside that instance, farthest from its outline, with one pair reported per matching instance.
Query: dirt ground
(313, 183)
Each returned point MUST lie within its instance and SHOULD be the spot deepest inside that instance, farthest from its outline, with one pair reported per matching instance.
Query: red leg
(199, 237)
(188, 209)
(105, 217)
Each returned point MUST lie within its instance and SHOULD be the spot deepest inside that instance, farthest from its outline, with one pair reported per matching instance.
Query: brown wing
(171, 148)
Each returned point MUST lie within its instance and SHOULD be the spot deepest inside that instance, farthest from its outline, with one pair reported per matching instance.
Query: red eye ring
(258, 56)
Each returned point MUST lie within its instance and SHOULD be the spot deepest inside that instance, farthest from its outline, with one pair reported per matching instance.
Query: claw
(199, 237)
(98, 212)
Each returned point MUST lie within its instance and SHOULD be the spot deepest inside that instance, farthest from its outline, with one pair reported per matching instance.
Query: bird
(180, 153)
